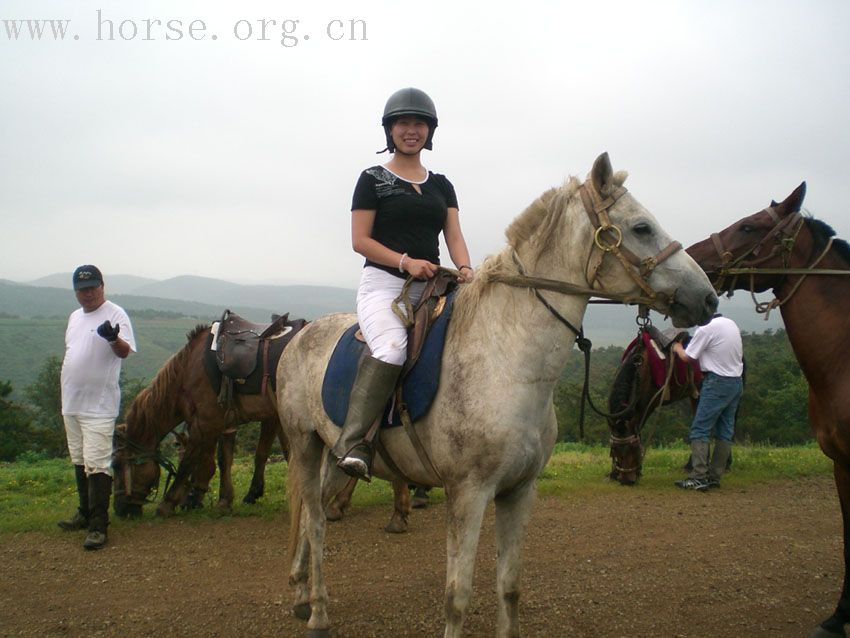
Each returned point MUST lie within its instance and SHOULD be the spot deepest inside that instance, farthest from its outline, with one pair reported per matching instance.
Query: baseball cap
(87, 276)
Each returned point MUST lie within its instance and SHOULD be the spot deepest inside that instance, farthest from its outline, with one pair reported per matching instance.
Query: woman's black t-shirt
(405, 221)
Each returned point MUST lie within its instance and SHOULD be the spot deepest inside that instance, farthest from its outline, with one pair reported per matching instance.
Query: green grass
(33, 496)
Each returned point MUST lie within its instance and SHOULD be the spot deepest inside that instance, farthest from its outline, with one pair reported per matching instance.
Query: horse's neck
(533, 344)
(815, 317)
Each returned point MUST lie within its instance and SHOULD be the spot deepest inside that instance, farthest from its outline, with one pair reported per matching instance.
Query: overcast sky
(140, 155)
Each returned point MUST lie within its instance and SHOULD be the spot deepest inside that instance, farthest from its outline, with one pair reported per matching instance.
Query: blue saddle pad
(418, 386)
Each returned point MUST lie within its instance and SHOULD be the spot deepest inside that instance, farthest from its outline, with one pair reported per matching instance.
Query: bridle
(131, 454)
(608, 238)
(783, 236)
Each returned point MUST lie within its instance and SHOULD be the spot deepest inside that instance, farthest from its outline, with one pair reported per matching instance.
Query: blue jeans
(718, 402)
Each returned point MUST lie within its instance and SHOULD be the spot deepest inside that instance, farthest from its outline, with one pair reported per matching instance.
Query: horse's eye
(642, 229)
(747, 228)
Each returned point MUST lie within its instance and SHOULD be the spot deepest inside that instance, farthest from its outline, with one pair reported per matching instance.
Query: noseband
(784, 235)
(131, 454)
(631, 441)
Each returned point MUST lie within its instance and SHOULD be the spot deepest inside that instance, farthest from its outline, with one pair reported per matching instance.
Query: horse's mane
(158, 400)
(536, 223)
(821, 233)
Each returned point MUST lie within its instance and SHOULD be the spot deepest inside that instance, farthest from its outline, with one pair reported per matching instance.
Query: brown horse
(634, 396)
(181, 392)
(807, 269)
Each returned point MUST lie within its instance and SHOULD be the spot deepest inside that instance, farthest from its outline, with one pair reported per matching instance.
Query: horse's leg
(226, 448)
(202, 474)
(306, 493)
(268, 430)
(401, 507)
(512, 513)
(466, 505)
(834, 625)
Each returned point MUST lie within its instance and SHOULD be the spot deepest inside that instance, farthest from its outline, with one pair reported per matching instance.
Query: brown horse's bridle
(784, 237)
(131, 454)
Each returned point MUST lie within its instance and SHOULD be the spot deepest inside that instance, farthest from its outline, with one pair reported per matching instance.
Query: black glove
(109, 333)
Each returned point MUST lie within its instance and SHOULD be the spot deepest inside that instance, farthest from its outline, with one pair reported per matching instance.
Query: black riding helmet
(409, 101)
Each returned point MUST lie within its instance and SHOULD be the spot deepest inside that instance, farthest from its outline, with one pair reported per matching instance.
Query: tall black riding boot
(100, 486)
(80, 519)
(372, 389)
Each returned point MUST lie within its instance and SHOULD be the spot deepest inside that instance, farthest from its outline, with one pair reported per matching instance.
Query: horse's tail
(293, 490)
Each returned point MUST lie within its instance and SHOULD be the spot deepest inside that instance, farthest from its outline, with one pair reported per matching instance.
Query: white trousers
(384, 332)
(90, 442)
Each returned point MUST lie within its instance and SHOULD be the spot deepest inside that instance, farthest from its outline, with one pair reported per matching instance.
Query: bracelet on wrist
(401, 262)
(459, 268)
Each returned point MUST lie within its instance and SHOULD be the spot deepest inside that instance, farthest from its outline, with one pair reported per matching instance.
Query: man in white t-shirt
(718, 348)
(98, 338)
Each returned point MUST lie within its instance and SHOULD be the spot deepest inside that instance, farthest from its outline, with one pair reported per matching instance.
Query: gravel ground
(760, 561)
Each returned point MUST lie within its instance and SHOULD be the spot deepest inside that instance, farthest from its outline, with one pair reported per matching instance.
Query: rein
(783, 248)
(139, 455)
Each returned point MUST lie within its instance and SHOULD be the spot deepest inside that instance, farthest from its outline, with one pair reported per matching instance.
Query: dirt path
(762, 561)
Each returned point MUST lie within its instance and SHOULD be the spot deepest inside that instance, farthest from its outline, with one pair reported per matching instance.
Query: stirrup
(355, 467)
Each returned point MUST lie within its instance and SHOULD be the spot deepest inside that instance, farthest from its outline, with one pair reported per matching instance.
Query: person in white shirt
(98, 338)
(718, 348)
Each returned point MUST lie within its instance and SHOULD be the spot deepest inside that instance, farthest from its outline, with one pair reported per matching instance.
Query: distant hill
(303, 301)
(115, 284)
(189, 296)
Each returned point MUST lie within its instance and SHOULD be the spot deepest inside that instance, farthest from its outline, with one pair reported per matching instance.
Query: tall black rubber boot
(100, 487)
(372, 389)
(80, 519)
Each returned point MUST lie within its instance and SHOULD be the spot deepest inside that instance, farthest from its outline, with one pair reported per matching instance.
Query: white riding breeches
(90, 442)
(384, 332)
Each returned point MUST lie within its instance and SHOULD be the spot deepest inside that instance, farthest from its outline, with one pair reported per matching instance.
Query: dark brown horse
(636, 393)
(181, 392)
(808, 270)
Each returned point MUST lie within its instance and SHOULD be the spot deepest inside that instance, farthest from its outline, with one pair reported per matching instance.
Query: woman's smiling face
(409, 134)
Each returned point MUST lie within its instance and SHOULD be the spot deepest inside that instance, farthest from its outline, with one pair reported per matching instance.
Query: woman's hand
(465, 274)
(418, 268)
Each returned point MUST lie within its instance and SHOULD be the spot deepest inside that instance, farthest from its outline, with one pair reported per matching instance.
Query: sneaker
(698, 485)
(355, 467)
(714, 484)
(77, 521)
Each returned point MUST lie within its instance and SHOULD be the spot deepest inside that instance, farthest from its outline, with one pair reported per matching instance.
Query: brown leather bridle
(784, 236)
(609, 238)
(127, 453)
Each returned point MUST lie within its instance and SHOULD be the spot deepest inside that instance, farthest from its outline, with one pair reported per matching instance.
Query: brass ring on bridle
(607, 247)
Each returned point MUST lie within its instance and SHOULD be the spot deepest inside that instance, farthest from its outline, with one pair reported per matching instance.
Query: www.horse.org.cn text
(286, 32)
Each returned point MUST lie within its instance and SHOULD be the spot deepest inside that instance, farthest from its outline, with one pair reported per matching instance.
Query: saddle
(242, 356)
(427, 323)
(663, 363)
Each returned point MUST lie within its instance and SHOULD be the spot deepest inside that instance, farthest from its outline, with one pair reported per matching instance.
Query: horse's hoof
(395, 527)
(318, 633)
(302, 611)
(333, 514)
(820, 632)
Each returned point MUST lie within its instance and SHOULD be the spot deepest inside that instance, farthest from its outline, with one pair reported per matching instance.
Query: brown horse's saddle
(237, 343)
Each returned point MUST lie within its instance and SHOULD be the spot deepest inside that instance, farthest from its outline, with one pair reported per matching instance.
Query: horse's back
(302, 368)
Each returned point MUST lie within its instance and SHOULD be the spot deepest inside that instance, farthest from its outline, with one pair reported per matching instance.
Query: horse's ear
(601, 174)
(794, 202)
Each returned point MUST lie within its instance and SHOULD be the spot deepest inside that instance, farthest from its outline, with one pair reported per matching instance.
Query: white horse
(491, 427)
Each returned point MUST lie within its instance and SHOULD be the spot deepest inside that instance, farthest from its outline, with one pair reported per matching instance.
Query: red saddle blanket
(658, 365)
